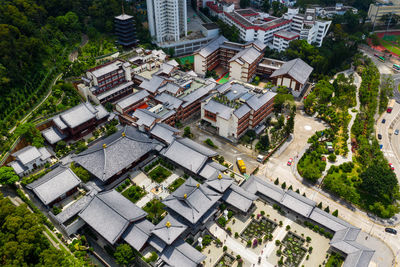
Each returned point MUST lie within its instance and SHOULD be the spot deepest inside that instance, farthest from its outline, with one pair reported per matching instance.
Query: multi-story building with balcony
(108, 82)
(282, 40)
(241, 60)
(308, 26)
(234, 109)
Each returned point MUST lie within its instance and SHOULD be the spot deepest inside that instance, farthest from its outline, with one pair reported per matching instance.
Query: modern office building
(125, 30)
(167, 19)
(282, 40)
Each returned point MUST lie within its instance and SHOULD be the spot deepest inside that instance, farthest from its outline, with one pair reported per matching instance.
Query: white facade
(310, 29)
(167, 19)
(262, 27)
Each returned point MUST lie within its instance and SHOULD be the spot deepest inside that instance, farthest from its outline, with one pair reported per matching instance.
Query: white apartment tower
(167, 19)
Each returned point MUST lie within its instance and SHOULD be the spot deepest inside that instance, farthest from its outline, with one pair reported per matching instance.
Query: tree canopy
(124, 254)
(7, 175)
(22, 242)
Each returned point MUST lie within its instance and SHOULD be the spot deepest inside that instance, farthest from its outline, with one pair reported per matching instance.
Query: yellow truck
(241, 165)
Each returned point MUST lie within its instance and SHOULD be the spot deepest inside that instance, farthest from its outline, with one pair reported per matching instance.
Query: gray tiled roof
(219, 182)
(222, 88)
(74, 208)
(27, 154)
(165, 68)
(212, 46)
(153, 84)
(210, 169)
(345, 235)
(114, 90)
(110, 213)
(54, 184)
(181, 254)
(107, 68)
(164, 132)
(198, 147)
(52, 135)
(255, 185)
(219, 109)
(296, 68)
(243, 110)
(156, 243)
(145, 117)
(18, 167)
(132, 99)
(122, 149)
(169, 100)
(185, 156)
(59, 123)
(45, 154)
(297, 202)
(78, 115)
(255, 102)
(170, 88)
(192, 200)
(248, 55)
(239, 198)
(138, 233)
(169, 229)
(259, 45)
(197, 94)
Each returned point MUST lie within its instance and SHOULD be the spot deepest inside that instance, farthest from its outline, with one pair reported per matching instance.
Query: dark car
(379, 136)
(384, 120)
(391, 231)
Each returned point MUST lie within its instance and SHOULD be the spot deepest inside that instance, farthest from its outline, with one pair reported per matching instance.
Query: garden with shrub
(258, 228)
(176, 184)
(155, 210)
(134, 193)
(159, 174)
(293, 249)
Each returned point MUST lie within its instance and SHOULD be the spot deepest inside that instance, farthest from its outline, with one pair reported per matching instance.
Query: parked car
(391, 166)
(396, 132)
(391, 231)
(290, 161)
(260, 158)
(379, 136)
(384, 120)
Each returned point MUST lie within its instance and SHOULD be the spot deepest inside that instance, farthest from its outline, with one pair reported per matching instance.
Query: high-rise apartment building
(167, 19)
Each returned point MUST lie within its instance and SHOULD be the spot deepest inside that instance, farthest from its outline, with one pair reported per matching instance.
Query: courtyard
(271, 237)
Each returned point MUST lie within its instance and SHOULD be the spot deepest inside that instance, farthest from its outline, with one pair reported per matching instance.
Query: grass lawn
(134, 193)
(159, 174)
(183, 60)
(391, 46)
(155, 210)
(177, 183)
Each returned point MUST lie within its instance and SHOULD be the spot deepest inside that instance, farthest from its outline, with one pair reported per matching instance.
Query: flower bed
(134, 193)
(225, 261)
(294, 250)
(258, 228)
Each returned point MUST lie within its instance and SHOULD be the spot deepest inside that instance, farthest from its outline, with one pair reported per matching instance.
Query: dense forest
(36, 37)
(22, 242)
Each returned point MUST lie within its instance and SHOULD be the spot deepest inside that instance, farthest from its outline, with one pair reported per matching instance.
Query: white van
(260, 158)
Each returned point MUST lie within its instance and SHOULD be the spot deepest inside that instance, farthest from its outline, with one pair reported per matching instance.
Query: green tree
(31, 134)
(83, 174)
(263, 144)
(7, 175)
(335, 213)
(244, 3)
(380, 182)
(187, 132)
(123, 254)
